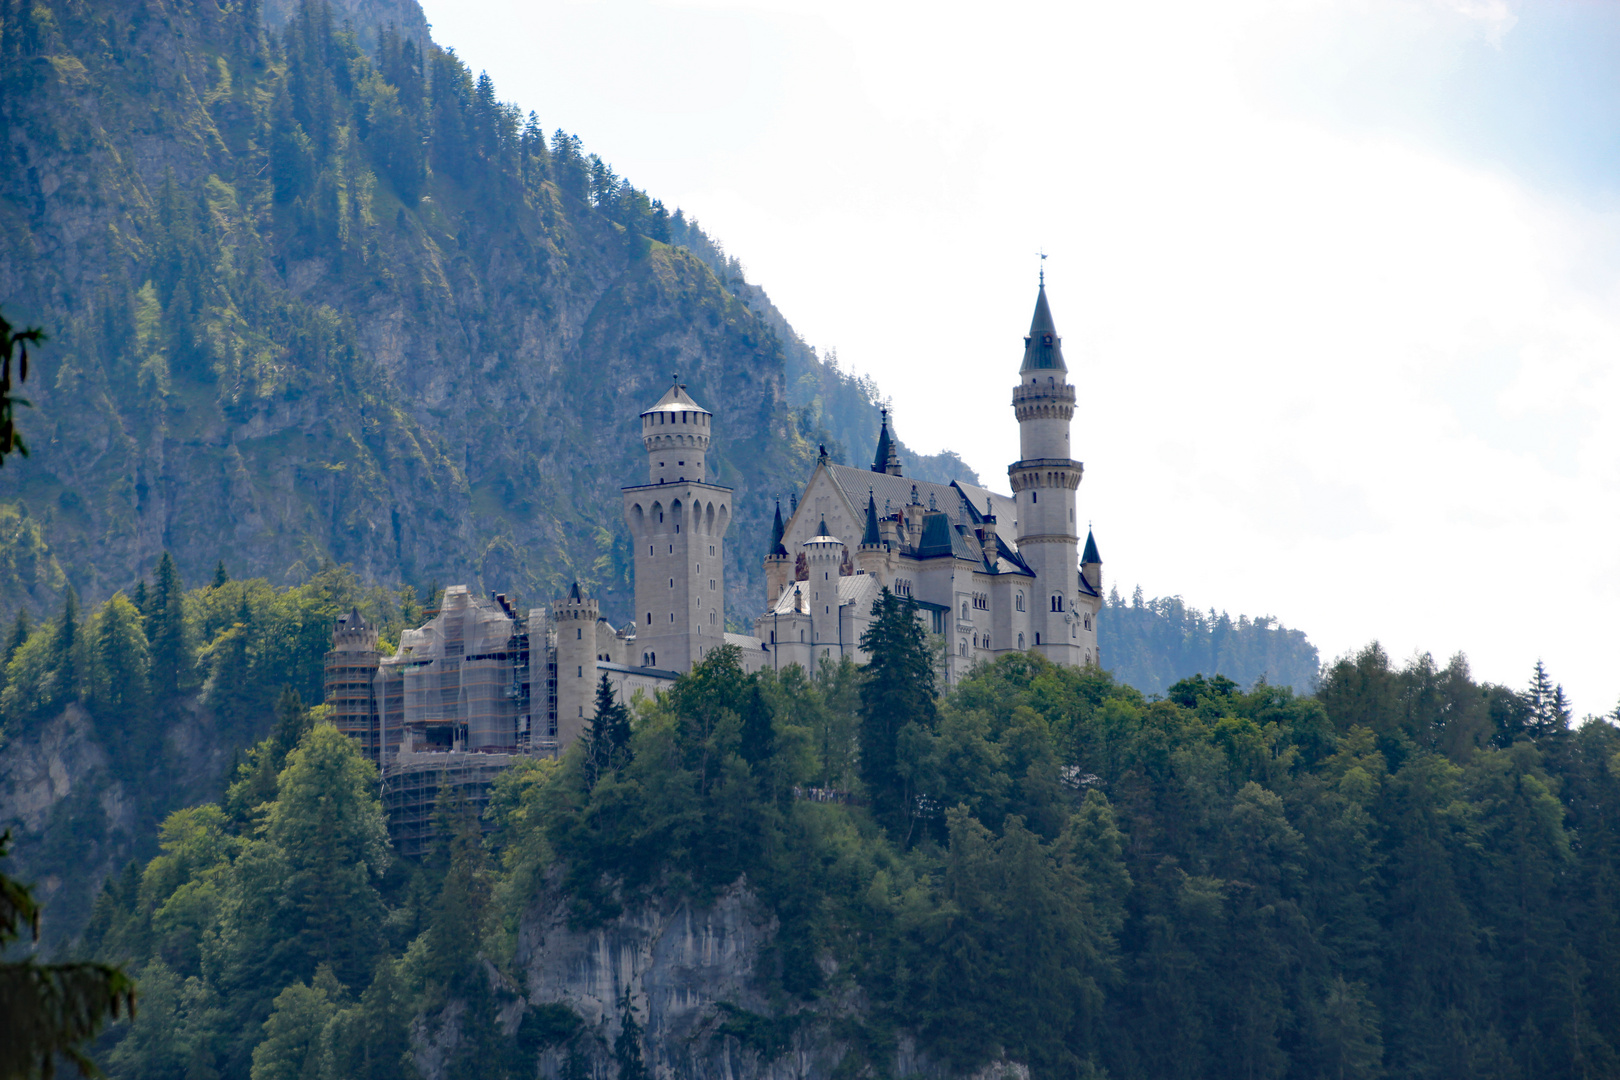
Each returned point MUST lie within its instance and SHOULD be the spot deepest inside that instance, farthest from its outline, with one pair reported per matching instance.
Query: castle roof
(957, 506)
(777, 532)
(870, 536)
(1043, 349)
(822, 535)
(887, 458)
(1090, 555)
(676, 399)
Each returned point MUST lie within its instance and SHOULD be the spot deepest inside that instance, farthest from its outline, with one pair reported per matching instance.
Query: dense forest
(315, 289)
(1152, 644)
(1408, 873)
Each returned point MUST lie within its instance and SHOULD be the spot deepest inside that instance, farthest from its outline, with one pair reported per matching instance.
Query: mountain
(315, 294)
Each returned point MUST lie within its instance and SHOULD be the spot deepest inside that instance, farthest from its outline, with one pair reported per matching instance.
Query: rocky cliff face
(689, 976)
(80, 812)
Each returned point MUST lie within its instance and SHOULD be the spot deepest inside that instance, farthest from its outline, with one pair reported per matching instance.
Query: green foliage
(898, 712)
(48, 1010)
(1224, 883)
(1150, 644)
(13, 347)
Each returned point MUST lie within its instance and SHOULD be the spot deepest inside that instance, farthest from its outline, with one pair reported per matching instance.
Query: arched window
(1018, 601)
(961, 647)
(964, 612)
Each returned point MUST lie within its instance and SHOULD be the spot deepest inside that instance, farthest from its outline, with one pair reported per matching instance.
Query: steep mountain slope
(316, 294)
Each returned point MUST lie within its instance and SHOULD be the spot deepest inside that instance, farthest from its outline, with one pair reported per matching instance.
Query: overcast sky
(1338, 282)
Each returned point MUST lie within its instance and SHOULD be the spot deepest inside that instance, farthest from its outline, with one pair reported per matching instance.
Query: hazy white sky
(1338, 282)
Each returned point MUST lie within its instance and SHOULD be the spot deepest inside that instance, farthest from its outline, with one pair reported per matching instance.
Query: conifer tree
(48, 1009)
(627, 1045)
(166, 630)
(328, 845)
(119, 683)
(607, 744)
(19, 634)
(220, 576)
(898, 692)
(64, 654)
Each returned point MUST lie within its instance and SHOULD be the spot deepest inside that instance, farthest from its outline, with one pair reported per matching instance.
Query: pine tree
(292, 719)
(607, 744)
(220, 576)
(19, 634)
(898, 692)
(119, 683)
(326, 828)
(166, 630)
(627, 1045)
(64, 654)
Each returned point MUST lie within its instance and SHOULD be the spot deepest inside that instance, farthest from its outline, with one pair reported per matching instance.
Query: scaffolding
(412, 785)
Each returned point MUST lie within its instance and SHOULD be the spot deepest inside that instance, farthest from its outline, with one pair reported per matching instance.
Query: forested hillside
(1151, 644)
(113, 715)
(1410, 874)
(315, 293)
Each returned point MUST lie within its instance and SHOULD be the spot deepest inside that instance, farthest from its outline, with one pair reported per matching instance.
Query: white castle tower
(678, 523)
(1044, 482)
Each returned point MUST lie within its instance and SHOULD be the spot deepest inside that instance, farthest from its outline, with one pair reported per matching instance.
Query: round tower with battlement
(676, 433)
(824, 554)
(678, 525)
(575, 618)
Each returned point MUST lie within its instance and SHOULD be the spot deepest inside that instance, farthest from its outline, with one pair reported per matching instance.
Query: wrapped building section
(450, 708)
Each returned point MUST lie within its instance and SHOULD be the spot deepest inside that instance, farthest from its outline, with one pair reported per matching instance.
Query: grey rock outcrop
(690, 975)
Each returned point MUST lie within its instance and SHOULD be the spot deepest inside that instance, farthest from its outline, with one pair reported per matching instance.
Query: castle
(989, 573)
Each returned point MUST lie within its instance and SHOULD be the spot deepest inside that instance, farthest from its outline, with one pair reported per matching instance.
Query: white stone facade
(991, 573)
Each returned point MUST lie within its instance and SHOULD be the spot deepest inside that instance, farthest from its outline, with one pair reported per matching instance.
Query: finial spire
(1042, 254)
(887, 458)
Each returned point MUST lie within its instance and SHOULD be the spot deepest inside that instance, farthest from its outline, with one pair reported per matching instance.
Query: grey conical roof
(870, 536)
(887, 457)
(573, 593)
(777, 532)
(1043, 349)
(1090, 555)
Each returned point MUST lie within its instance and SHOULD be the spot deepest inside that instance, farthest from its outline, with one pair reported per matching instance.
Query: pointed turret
(870, 537)
(777, 532)
(1091, 563)
(887, 458)
(778, 565)
(573, 592)
(1043, 349)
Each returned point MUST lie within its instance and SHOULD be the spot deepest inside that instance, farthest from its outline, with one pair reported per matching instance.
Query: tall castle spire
(1043, 349)
(1044, 480)
(887, 458)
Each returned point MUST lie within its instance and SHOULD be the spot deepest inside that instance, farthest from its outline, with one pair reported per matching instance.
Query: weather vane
(1042, 254)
